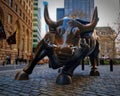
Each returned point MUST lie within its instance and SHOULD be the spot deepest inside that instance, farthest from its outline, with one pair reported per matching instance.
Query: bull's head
(67, 33)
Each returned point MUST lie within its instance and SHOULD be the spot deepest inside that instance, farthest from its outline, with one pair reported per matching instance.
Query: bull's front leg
(65, 77)
(39, 54)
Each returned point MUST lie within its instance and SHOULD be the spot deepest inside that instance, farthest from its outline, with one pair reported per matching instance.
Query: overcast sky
(108, 11)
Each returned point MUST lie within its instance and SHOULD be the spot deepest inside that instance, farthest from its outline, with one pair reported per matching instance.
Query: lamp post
(119, 4)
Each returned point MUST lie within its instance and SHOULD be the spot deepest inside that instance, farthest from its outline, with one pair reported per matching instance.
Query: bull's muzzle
(63, 54)
(67, 51)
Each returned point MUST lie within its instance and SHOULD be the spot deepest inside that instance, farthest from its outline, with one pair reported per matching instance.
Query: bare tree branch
(77, 14)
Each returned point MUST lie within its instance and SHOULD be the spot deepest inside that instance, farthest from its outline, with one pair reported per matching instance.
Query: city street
(63, 33)
(42, 82)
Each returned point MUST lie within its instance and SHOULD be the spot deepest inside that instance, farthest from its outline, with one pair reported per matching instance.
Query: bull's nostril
(70, 46)
(73, 51)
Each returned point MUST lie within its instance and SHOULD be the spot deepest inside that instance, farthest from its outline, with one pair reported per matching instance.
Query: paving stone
(23, 94)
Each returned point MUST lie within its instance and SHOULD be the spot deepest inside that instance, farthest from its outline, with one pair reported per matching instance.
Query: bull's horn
(91, 25)
(48, 20)
(95, 14)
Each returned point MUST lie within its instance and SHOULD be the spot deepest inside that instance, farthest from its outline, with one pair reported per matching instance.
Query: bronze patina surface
(66, 44)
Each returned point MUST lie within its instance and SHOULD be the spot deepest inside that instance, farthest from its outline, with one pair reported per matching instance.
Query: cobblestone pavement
(11, 67)
(42, 83)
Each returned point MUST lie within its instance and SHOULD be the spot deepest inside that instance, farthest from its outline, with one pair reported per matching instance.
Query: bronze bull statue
(67, 43)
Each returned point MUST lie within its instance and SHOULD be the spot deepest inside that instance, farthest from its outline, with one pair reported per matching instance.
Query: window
(35, 24)
(34, 40)
(9, 18)
(24, 4)
(60, 13)
(20, 1)
(35, 19)
(26, 20)
(34, 35)
(20, 12)
(23, 28)
(10, 3)
(26, 8)
(15, 7)
(35, 30)
(35, 8)
(35, 15)
(23, 16)
(36, 3)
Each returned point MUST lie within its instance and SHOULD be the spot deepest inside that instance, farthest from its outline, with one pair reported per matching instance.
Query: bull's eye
(60, 30)
(75, 31)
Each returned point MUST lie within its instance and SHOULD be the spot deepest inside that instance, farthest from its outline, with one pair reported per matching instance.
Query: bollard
(83, 66)
(111, 65)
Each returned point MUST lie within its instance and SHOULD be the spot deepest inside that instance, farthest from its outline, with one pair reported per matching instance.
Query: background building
(16, 15)
(109, 15)
(106, 41)
(81, 8)
(60, 13)
(36, 24)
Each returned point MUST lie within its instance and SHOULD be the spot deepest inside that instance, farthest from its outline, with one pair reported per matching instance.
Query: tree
(117, 23)
(77, 14)
(115, 38)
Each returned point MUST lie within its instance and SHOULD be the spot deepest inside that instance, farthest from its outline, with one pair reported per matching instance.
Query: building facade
(36, 24)
(60, 13)
(16, 15)
(106, 41)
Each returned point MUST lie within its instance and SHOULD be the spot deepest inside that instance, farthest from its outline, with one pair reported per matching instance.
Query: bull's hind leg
(94, 71)
(94, 61)
(39, 54)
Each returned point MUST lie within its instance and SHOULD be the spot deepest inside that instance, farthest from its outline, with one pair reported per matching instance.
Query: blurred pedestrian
(8, 59)
(16, 59)
(102, 60)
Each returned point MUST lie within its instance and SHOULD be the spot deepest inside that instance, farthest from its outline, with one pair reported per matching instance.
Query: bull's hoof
(94, 73)
(21, 75)
(63, 79)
